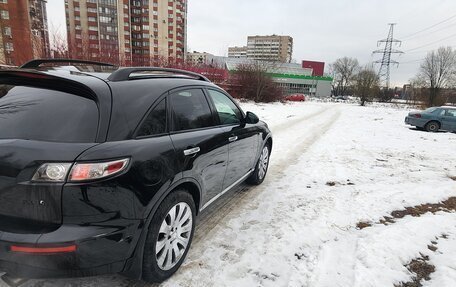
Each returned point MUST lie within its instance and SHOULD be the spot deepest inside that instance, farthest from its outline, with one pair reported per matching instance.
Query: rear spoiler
(37, 79)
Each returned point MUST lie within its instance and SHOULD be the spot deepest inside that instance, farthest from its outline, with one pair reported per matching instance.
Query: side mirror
(251, 118)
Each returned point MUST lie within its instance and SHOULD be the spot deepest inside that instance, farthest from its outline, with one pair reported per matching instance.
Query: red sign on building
(317, 67)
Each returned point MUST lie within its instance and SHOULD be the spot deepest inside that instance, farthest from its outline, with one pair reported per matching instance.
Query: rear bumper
(417, 122)
(99, 250)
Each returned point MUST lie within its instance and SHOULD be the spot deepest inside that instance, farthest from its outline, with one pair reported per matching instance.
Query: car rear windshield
(430, 110)
(32, 113)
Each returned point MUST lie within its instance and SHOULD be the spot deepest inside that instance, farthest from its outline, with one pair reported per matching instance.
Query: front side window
(190, 110)
(155, 122)
(41, 114)
(227, 111)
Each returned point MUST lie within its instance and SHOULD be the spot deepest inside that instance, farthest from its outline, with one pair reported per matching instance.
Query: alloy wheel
(263, 163)
(174, 236)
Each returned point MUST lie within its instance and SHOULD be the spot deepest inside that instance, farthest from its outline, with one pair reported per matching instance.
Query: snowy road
(333, 165)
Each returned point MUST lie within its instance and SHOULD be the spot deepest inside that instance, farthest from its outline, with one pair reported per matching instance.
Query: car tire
(432, 126)
(169, 238)
(261, 167)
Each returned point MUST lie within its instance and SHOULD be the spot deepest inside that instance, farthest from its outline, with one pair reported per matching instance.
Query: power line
(430, 27)
(427, 51)
(413, 61)
(429, 44)
(435, 31)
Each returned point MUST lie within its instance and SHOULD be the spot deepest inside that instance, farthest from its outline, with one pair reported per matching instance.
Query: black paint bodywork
(107, 220)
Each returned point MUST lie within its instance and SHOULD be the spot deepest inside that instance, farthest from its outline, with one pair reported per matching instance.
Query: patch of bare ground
(334, 183)
(363, 224)
(448, 205)
(421, 268)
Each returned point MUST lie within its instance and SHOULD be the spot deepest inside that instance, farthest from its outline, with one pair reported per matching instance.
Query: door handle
(192, 151)
(232, 139)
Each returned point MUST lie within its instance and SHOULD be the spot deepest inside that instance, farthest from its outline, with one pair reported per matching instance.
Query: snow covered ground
(332, 166)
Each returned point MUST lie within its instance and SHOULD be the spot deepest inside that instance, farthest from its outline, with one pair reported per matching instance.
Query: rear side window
(190, 110)
(450, 113)
(46, 115)
(155, 122)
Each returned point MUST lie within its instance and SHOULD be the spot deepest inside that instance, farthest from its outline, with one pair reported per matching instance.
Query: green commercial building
(292, 78)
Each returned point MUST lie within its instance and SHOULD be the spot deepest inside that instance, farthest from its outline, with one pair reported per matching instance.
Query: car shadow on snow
(424, 131)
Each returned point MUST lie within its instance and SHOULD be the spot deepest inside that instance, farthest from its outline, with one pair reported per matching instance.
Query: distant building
(270, 48)
(318, 68)
(24, 31)
(127, 32)
(292, 78)
(196, 58)
(237, 52)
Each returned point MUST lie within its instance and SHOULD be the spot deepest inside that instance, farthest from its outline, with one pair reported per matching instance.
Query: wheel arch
(432, 120)
(133, 266)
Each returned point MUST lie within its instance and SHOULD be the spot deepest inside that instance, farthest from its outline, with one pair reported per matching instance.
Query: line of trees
(350, 78)
(434, 84)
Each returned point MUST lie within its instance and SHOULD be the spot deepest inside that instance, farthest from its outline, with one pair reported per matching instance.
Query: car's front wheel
(169, 237)
(261, 167)
(432, 126)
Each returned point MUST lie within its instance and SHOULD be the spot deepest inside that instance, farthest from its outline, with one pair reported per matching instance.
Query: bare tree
(59, 43)
(438, 70)
(344, 70)
(367, 84)
(254, 82)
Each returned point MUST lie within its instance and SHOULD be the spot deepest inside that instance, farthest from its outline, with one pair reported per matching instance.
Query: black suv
(103, 170)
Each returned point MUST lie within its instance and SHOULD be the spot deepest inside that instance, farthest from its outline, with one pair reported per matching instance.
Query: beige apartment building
(127, 32)
(237, 52)
(270, 48)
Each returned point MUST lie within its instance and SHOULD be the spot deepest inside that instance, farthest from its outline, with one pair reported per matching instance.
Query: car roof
(92, 76)
(449, 107)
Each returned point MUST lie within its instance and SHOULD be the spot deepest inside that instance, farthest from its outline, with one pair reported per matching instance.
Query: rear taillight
(58, 172)
(52, 172)
(417, 115)
(92, 171)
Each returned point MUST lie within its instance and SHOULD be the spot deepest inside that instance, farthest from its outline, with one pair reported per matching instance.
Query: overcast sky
(323, 30)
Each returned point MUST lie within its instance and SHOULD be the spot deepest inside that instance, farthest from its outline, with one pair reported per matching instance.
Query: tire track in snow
(240, 197)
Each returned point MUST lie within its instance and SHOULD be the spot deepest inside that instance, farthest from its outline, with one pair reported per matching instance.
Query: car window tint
(46, 115)
(155, 122)
(190, 110)
(227, 111)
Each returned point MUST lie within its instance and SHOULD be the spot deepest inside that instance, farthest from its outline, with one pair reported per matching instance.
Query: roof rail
(123, 74)
(36, 63)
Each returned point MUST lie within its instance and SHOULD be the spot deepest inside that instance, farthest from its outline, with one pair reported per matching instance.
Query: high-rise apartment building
(24, 31)
(127, 32)
(270, 48)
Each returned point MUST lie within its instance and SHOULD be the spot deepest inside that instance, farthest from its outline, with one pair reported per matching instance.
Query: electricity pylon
(384, 71)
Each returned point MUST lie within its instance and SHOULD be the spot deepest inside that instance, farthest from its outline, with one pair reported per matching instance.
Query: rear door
(243, 138)
(201, 148)
(38, 125)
